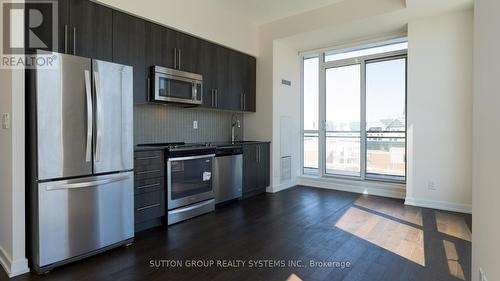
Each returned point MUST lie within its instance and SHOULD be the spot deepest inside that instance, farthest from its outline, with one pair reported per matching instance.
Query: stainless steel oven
(189, 186)
(175, 86)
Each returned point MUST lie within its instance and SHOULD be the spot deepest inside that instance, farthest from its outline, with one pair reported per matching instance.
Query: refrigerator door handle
(88, 154)
(99, 116)
(110, 179)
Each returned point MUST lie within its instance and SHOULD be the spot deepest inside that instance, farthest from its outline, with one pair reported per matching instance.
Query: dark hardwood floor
(295, 224)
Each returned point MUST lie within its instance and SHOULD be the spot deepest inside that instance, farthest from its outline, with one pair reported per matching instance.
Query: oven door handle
(191, 157)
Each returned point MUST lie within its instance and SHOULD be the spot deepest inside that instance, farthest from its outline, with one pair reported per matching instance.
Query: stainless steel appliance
(171, 85)
(228, 178)
(189, 181)
(81, 127)
(190, 173)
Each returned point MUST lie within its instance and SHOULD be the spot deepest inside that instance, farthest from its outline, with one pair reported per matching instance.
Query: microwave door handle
(88, 94)
(194, 91)
(100, 120)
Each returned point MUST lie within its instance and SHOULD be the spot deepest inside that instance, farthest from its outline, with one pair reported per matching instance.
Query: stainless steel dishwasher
(228, 178)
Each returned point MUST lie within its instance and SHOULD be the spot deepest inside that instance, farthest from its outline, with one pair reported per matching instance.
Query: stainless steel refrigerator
(81, 195)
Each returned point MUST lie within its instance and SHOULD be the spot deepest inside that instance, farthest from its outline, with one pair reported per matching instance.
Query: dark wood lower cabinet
(149, 189)
(256, 168)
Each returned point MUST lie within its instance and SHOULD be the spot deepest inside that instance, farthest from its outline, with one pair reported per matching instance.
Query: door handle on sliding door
(99, 117)
(88, 94)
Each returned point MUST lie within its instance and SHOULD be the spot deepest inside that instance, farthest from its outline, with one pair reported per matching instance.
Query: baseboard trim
(363, 187)
(5, 261)
(13, 268)
(280, 187)
(440, 205)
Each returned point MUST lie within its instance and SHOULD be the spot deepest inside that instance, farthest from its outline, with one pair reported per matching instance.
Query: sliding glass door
(311, 115)
(386, 118)
(342, 108)
(354, 114)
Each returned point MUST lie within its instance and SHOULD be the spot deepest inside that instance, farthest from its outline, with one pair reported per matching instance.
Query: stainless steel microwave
(171, 85)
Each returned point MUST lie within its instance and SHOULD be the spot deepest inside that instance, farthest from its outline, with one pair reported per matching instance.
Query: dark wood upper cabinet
(207, 54)
(249, 84)
(129, 47)
(188, 52)
(88, 29)
(53, 42)
(91, 30)
(222, 92)
(235, 75)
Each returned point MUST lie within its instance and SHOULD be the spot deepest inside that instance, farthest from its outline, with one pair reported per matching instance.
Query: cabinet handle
(65, 38)
(175, 57)
(257, 154)
(241, 102)
(147, 157)
(147, 172)
(147, 186)
(179, 55)
(217, 98)
(244, 101)
(149, 207)
(148, 89)
(74, 40)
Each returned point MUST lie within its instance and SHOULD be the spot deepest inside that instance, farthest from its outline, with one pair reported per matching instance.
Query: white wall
(12, 189)
(440, 111)
(5, 173)
(12, 176)
(286, 105)
(486, 138)
(204, 19)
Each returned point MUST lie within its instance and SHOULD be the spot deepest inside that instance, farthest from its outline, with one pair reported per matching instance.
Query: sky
(385, 92)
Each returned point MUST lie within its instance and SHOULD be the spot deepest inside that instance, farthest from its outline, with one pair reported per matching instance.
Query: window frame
(322, 67)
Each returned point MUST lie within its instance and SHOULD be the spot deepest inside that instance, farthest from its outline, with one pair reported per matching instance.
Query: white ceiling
(264, 11)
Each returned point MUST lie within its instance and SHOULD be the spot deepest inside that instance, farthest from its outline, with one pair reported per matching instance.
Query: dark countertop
(216, 144)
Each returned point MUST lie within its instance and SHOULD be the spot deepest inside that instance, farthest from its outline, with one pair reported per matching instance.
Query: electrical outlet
(195, 124)
(431, 185)
(5, 121)
(482, 276)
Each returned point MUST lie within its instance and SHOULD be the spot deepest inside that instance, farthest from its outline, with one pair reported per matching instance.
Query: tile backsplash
(156, 123)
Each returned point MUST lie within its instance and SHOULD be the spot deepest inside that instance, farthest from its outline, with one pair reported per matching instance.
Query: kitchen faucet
(236, 123)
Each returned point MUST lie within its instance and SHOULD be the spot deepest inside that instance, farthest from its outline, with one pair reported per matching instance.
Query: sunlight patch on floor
(392, 208)
(452, 256)
(401, 239)
(453, 225)
(293, 277)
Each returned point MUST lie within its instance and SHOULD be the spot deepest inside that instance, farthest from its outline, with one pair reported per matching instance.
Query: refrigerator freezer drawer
(79, 216)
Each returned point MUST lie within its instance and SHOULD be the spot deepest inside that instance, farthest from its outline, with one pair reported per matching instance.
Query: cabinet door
(263, 177)
(222, 72)
(188, 58)
(169, 47)
(129, 47)
(249, 168)
(236, 78)
(207, 68)
(155, 43)
(91, 30)
(249, 85)
(45, 30)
